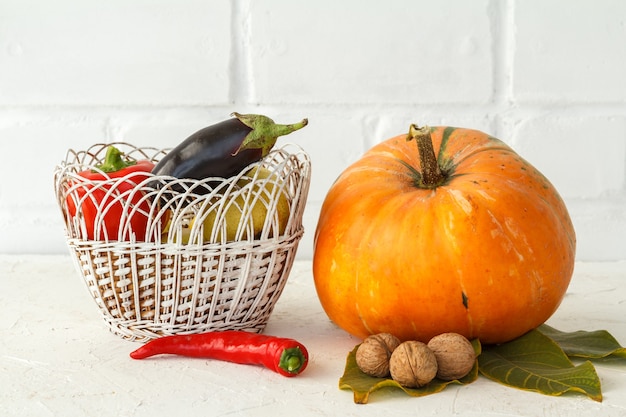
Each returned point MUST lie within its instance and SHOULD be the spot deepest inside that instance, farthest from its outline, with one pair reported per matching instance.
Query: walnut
(413, 364)
(372, 356)
(455, 355)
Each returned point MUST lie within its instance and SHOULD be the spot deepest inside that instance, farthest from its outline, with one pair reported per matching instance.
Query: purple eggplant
(225, 148)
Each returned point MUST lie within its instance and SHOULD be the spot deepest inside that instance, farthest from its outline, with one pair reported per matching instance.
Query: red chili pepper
(285, 356)
(95, 196)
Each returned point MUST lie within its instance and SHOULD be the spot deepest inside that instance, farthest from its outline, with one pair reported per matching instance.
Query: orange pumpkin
(459, 234)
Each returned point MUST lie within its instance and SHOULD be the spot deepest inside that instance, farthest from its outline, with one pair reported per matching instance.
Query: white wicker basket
(181, 277)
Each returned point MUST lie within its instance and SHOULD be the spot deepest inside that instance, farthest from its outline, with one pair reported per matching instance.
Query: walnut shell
(413, 364)
(455, 355)
(372, 356)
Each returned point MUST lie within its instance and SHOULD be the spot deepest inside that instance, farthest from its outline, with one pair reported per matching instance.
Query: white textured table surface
(57, 358)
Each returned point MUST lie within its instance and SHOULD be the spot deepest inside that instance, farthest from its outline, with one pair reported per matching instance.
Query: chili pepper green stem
(292, 360)
(113, 161)
(264, 131)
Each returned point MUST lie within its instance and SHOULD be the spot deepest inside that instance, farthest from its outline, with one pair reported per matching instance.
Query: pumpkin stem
(431, 173)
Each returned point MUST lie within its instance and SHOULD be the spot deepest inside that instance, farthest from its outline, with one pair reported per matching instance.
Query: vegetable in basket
(97, 197)
(284, 356)
(225, 148)
(264, 198)
(262, 183)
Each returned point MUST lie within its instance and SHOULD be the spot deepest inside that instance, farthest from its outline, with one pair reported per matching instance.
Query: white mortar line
(241, 80)
(502, 15)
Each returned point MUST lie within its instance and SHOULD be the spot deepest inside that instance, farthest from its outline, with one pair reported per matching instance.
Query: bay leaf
(585, 344)
(535, 362)
(363, 385)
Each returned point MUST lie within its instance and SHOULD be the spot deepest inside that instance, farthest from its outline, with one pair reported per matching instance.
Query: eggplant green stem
(431, 173)
(292, 360)
(264, 131)
(113, 161)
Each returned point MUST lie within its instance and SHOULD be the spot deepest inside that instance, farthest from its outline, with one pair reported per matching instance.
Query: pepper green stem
(431, 176)
(264, 131)
(292, 360)
(113, 161)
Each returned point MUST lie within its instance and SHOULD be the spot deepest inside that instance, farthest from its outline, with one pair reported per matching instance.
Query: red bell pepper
(108, 201)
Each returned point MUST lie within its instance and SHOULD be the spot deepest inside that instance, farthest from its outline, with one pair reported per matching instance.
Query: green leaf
(583, 344)
(534, 362)
(363, 385)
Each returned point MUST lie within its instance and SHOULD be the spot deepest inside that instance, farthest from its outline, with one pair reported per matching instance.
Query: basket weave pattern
(160, 286)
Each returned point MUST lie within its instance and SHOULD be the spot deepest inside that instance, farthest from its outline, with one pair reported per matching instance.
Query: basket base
(145, 291)
(144, 332)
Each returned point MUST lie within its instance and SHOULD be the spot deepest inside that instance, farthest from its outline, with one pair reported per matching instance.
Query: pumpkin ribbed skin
(488, 253)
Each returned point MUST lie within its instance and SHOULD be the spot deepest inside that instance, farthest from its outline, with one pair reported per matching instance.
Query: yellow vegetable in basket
(180, 230)
(259, 197)
(253, 206)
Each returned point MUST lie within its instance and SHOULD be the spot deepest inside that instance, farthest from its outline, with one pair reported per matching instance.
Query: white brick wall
(546, 76)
